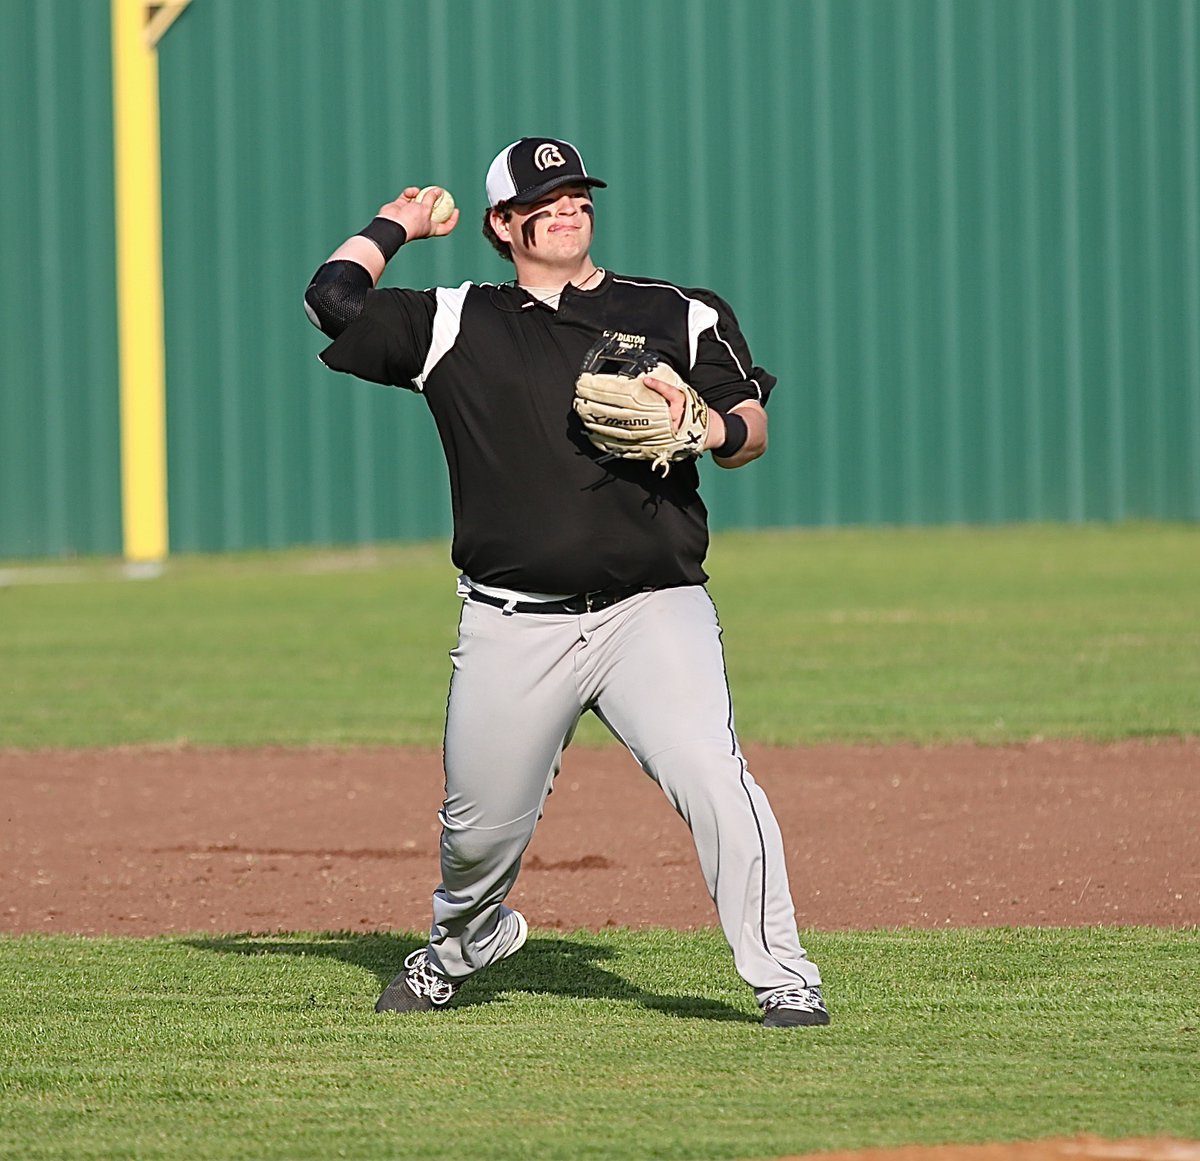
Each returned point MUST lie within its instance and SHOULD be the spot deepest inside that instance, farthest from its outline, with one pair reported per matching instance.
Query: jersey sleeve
(388, 342)
(724, 372)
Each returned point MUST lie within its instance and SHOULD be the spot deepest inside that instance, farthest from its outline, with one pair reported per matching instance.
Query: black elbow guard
(336, 296)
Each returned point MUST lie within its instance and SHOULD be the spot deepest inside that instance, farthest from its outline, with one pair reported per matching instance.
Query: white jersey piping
(701, 316)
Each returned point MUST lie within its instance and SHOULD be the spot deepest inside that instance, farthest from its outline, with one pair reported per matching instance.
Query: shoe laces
(424, 981)
(803, 999)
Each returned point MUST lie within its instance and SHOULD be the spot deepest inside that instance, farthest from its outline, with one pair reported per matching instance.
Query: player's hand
(415, 216)
(671, 394)
(675, 402)
(714, 437)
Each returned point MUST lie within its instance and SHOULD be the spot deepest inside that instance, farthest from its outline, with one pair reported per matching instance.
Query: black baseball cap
(529, 168)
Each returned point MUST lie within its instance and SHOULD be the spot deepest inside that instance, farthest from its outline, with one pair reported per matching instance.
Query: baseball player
(572, 403)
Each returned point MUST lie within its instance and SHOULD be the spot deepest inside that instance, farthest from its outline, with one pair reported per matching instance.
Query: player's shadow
(546, 965)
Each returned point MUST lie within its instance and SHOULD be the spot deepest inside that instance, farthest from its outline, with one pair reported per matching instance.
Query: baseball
(442, 208)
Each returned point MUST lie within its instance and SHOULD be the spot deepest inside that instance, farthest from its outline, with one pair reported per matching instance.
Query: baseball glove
(625, 418)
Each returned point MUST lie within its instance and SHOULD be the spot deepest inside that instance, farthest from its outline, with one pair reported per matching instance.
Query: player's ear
(501, 224)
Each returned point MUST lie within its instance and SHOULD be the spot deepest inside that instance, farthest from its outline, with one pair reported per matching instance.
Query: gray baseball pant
(652, 669)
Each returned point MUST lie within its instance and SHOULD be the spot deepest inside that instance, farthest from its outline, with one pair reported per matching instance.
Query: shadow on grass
(544, 966)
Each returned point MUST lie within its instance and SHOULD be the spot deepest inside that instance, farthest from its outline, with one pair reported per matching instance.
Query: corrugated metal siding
(965, 234)
(991, 262)
(59, 456)
(265, 446)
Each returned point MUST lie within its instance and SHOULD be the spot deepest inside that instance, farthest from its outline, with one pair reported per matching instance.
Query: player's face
(557, 227)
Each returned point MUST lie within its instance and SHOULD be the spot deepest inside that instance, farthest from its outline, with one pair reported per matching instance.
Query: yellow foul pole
(139, 284)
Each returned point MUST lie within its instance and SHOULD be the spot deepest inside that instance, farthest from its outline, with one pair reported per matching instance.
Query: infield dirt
(1083, 1148)
(148, 841)
(144, 841)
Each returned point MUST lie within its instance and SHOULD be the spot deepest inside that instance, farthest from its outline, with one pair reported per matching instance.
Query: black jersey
(534, 507)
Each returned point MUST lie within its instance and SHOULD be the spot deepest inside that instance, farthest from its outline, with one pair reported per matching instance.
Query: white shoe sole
(522, 935)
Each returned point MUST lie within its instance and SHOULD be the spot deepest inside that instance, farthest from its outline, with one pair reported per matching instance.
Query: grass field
(617, 1044)
(995, 634)
(611, 1045)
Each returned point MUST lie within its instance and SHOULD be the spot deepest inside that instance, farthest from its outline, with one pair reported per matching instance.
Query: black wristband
(389, 236)
(736, 433)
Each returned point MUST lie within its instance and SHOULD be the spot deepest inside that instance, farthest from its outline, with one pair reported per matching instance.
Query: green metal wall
(59, 454)
(964, 233)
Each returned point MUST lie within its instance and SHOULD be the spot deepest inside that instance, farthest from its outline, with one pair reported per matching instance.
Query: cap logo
(548, 156)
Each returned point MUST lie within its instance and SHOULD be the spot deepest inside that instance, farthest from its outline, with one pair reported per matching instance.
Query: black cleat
(795, 1008)
(416, 989)
(421, 989)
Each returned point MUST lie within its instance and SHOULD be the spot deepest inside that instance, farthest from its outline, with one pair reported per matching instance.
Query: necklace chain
(546, 296)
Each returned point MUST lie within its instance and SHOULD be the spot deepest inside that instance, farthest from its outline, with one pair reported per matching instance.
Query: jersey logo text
(628, 340)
